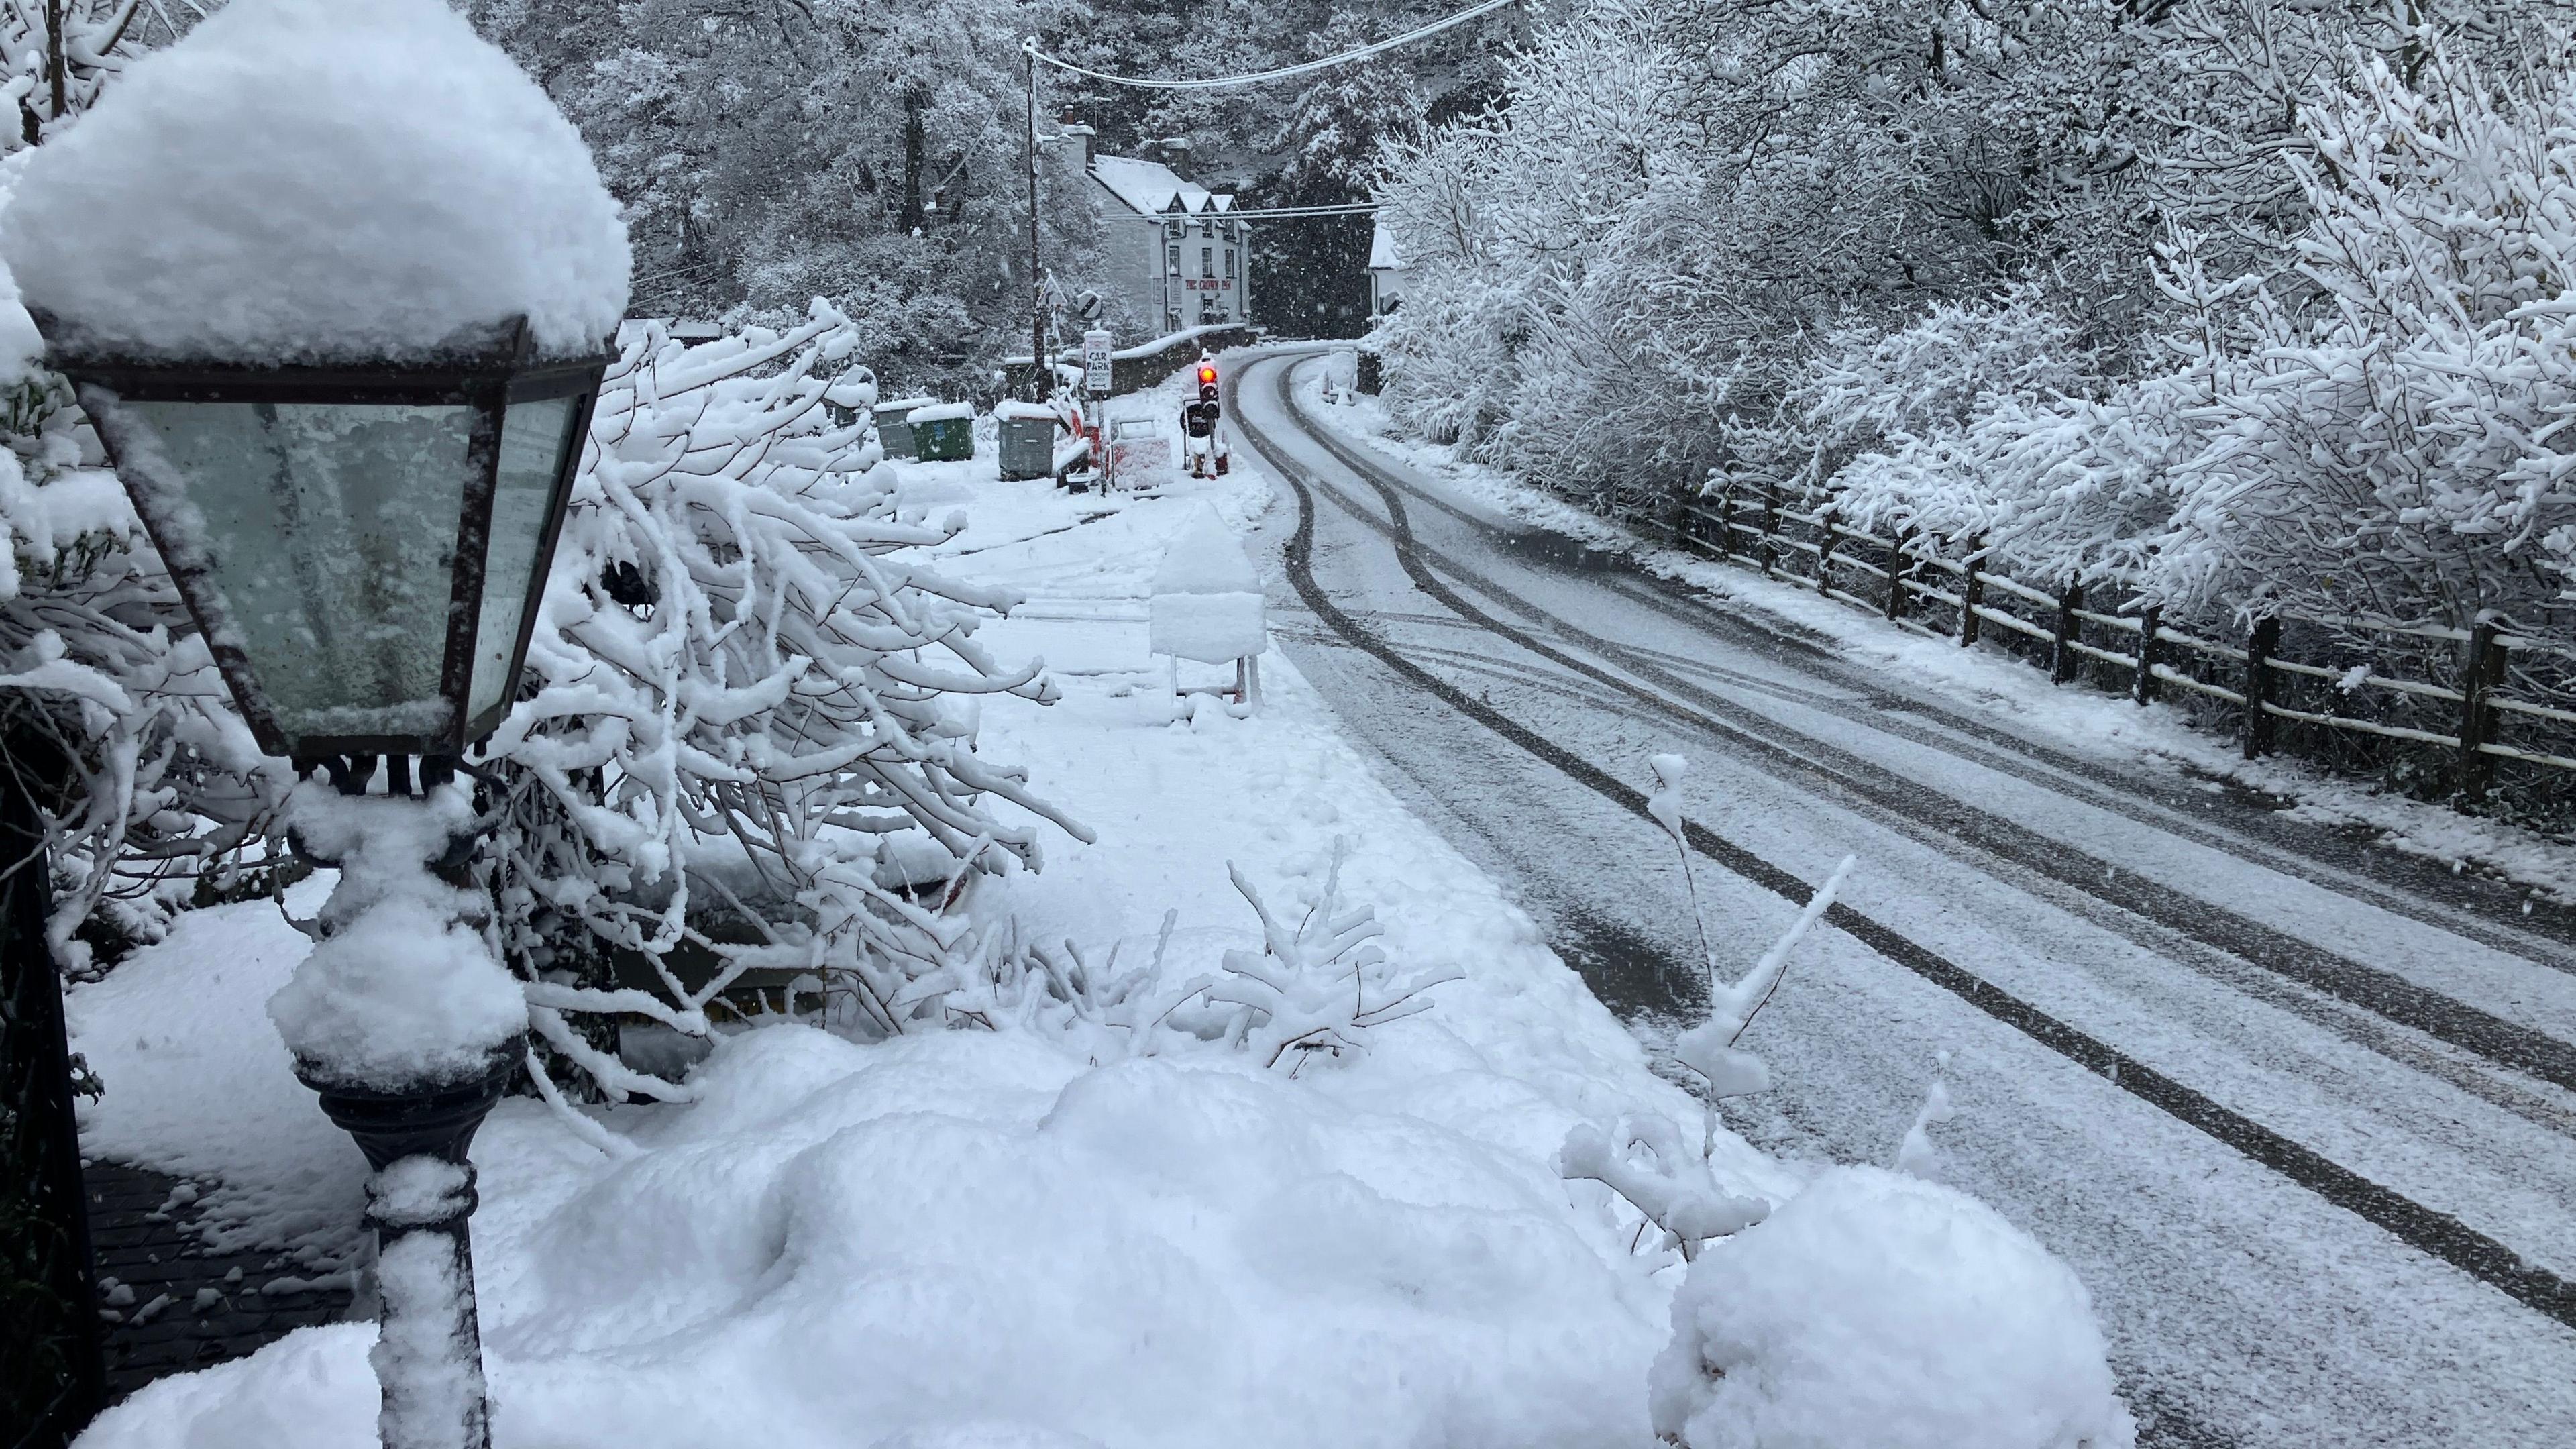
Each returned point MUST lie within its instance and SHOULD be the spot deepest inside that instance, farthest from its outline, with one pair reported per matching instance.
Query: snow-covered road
(2303, 1117)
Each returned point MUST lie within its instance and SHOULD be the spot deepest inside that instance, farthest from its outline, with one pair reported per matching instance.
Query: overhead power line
(1285, 72)
(1255, 213)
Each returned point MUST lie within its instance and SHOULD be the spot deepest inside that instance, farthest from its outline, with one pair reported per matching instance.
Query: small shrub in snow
(1646, 1161)
(1313, 992)
(1102, 1012)
(1710, 1047)
(1915, 1153)
(1872, 1310)
(1877, 1311)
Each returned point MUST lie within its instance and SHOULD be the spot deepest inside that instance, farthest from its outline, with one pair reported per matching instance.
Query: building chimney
(1080, 135)
(1174, 152)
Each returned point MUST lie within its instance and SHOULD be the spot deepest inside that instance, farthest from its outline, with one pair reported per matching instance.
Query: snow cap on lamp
(301, 181)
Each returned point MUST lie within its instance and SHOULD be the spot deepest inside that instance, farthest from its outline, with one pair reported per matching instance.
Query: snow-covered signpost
(333, 280)
(1207, 607)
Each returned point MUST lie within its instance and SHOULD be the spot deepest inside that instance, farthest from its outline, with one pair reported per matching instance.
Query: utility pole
(1037, 285)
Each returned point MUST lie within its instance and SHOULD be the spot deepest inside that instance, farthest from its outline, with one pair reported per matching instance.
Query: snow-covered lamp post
(334, 280)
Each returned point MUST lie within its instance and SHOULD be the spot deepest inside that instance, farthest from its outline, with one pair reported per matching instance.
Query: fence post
(1825, 550)
(2258, 685)
(2143, 688)
(1972, 592)
(1726, 519)
(2061, 652)
(1770, 521)
(2481, 671)
(1896, 567)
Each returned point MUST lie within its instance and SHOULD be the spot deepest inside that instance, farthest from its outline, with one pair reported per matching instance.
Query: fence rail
(2471, 672)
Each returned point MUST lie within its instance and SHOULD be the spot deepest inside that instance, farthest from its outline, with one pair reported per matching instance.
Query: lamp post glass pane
(331, 532)
(534, 436)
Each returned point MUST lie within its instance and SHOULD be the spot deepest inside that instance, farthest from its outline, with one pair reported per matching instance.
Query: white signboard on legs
(1095, 362)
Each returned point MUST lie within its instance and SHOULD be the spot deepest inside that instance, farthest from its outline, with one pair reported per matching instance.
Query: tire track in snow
(1791, 751)
(2401, 885)
(2436, 1234)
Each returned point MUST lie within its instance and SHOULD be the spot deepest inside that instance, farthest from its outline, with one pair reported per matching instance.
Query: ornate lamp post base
(429, 1353)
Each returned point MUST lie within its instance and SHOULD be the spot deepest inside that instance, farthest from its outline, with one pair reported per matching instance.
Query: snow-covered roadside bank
(2110, 728)
(1048, 1236)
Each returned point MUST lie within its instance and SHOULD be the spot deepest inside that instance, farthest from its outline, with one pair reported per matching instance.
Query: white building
(1171, 251)
(1386, 271)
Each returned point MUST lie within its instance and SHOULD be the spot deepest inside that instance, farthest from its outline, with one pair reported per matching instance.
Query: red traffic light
(1207, 375)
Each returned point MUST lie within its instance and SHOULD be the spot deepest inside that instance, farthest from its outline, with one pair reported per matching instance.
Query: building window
(1207, 261)
(1229, 264)
(1173, 258)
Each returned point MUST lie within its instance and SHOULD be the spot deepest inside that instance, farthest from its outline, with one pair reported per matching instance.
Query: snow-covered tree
(2393, 441)
(778, 150)
(1679, 196)
(2238, 305)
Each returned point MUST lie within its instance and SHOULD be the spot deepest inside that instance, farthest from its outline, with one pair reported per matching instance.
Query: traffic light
(1207, 382)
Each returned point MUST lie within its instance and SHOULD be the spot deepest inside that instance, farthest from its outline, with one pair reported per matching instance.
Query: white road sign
(1095, 362)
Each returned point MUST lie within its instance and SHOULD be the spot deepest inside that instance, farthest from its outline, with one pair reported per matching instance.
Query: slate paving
(168, 1304)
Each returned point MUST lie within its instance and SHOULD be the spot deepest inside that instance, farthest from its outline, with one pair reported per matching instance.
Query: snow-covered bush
(747, 737)
(110, 705)
(1679, 200)
(109, 702)
(1665, 1177)
(1316, 989)
(1979, 426)
(1874, 1310)
(2379, 430)
(1870, 1309)
(2393, 438)
(1646, 1161)
(1313, 993)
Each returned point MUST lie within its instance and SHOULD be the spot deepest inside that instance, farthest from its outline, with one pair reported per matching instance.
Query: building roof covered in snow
(1382, 253)
(1151, 188)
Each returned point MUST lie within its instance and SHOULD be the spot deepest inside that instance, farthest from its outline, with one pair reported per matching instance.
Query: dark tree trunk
(913, 145)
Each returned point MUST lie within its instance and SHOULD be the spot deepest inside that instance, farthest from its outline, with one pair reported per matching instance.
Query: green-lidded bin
(894, 428)
(943, 433)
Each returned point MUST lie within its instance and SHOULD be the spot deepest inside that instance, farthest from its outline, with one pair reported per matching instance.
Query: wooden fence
(2362, 695)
